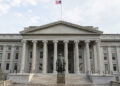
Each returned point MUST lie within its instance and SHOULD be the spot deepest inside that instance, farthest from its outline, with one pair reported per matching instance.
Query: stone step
(60, 85)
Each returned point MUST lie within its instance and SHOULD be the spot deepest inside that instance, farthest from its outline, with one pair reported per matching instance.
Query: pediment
(60, 28)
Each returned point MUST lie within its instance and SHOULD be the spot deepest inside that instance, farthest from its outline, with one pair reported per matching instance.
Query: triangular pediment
(61, 27)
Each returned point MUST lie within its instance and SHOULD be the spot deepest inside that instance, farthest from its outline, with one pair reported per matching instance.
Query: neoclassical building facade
(90, 56)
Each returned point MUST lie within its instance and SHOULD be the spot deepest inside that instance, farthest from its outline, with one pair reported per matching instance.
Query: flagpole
(61, 10)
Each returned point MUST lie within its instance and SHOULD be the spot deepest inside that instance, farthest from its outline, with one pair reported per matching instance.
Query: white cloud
(32, 2)
(16, 2)
(33, 20)
(4, 8)
(18, 14)
(73, 15)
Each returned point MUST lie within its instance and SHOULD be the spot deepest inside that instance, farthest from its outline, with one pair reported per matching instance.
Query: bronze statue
(60, 64)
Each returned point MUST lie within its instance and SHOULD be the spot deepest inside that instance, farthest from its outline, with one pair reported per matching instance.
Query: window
(0, 65)
(30, 66)
(31, 54)
(0, 56)
(105, 56)
(7, 66)
(105, 49)
(9, 47)
(1, 47)
(16, 56)
(41, 54)
(40, 66)
(8, 56)
(114, 67)
(91, 56)
(113, 56)
(106, 68)
(15, 66)
(113, 49)
(80, 57)
(17, 48)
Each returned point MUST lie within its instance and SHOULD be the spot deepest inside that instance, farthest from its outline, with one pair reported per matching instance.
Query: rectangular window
(91, 56)
(41, 54)
(7, 66)
(113, 56)
(0, 65)
(105, 49)
(30, 66)
(9, 47)
(105, 56)
(1, 48)
(114, 67)
(16, 56)
(40, 66)
(0, 56)
(15, 66)
(16, 48)
(113, 49)
(31, 54)
(8, 56)
(106, 67)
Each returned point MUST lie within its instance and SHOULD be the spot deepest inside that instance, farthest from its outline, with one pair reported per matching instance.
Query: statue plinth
(60, 78)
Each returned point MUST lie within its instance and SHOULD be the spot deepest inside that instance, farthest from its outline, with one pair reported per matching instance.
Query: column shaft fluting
(88, 65)
(66, 55)
(55, 55)
(77, 56)
(44, 56)
(23, 57)
(34, 56)
(99, 58)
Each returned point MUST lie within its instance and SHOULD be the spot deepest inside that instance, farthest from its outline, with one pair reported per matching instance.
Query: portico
(79, 47)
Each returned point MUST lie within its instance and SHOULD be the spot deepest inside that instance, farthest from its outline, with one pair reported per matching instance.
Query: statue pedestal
(60, 78)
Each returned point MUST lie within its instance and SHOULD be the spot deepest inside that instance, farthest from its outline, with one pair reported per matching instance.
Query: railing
(5, 83)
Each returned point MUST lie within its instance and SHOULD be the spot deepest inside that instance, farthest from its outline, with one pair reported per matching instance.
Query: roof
(86, 28)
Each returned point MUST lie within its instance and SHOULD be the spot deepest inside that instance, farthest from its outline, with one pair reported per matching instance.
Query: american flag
(58, 1)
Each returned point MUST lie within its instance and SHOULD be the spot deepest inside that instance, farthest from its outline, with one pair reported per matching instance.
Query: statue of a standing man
(60, 64)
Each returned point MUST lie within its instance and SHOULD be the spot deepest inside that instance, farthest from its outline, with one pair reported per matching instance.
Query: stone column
(23, 57)
(3, 58)
(77, 57)
(118, 55)
(12, 58)
(99, 57)
(66, 55)
(95, 59)
(88, 65)
(34, 57)
(110, 59)
(55, 56)
(45, 57)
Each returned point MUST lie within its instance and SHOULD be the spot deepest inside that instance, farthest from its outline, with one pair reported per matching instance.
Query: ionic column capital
(55, 41)
(24, 41)
(76, 41)
(34, 41)
(44, 41)
(97, 41)
(65, 41)
(87, 41)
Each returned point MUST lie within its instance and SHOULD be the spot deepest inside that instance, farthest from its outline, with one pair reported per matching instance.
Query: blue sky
(17, 14)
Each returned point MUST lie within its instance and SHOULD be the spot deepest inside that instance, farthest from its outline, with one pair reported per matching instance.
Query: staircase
(77, 79)
(59, 85)
(43, 79)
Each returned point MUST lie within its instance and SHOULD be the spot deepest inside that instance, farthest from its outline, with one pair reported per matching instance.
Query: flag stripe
(58, 1)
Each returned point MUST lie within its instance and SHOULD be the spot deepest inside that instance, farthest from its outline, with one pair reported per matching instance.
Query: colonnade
(76, 58)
